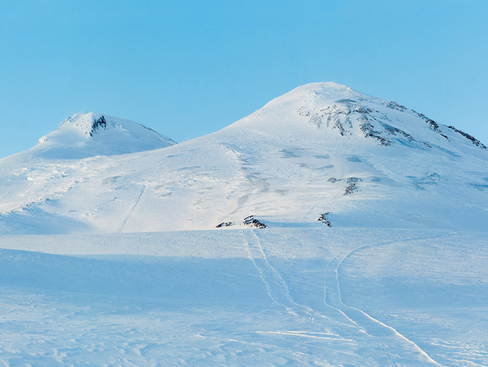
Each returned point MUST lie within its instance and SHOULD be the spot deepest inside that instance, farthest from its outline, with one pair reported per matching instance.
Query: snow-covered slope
(89, 134)
(320, 149)
(345, 290)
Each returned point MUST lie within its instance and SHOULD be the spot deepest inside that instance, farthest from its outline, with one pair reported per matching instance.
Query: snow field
(109, 254)
(298, 296)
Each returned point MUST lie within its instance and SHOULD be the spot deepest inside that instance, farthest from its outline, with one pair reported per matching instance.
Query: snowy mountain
(328, 228)
(89, 134)
(321, 148)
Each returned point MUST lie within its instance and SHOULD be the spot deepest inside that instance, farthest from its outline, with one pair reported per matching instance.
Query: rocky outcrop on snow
(469, 137)
(323, 219)
(249, 222)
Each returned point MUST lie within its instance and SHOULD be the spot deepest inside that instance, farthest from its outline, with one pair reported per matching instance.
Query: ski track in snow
(122, 226)
(276, 287)
(332, 298)
(181, 296)
(278, 291)
(60, 307)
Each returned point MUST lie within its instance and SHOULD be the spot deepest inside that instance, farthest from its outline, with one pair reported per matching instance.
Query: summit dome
(89, 134)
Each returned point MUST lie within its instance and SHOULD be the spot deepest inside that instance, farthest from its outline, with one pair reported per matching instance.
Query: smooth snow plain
(109, 255)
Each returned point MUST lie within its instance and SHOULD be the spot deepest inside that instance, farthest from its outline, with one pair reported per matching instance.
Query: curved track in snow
(364, 327)
(373, 327)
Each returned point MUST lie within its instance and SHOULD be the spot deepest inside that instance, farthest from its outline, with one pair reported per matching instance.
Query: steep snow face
(321, 155)
(91, 134)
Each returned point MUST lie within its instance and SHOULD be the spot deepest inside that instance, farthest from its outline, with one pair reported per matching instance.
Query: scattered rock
(323, 218)
(249, 222)
(395, 106)
(433, 125)
(368, 130)
(336, 116)
(96, 124)
(352, 185)
(395, 131)
(224, 224)
(469, 137)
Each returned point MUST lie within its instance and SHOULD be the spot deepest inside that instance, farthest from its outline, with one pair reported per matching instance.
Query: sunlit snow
(121, 247)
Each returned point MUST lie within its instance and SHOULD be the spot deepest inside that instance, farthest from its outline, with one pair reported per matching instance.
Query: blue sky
(189, 68)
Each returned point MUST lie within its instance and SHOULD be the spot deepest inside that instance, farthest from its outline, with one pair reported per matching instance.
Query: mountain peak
(88, 134)
(330, 111)
(86, 123)
(326, 88)
(324, 92)
(322, 154)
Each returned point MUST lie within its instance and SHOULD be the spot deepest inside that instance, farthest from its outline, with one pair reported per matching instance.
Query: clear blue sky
(189, 68)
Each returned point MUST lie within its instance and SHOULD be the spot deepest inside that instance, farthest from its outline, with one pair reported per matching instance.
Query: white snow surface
(286, 296)
(110, 255)
(320, 148)
(89, 134)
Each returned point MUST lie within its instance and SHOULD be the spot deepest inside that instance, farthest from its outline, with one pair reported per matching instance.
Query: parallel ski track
(275, 285)
(278, 291)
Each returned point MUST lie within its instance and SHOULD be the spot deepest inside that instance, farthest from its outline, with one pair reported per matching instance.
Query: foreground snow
(290, 296)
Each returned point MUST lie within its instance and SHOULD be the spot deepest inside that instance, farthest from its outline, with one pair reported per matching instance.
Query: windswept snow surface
(110, 255)
(291, 296)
